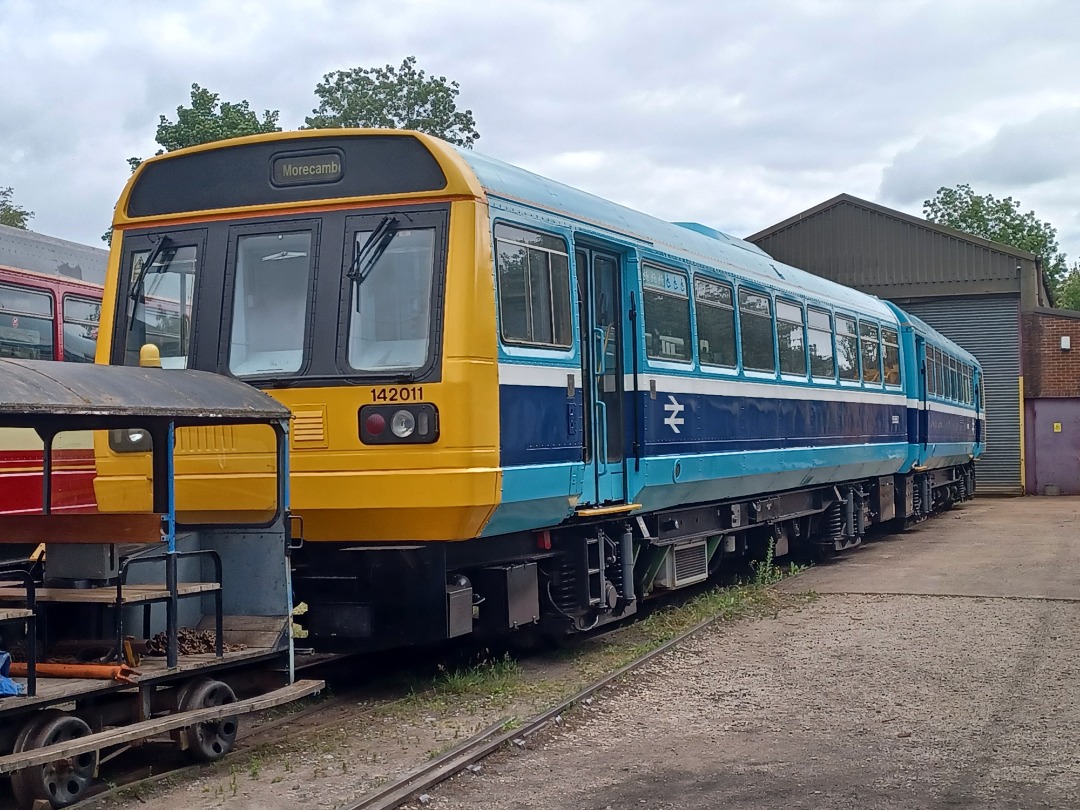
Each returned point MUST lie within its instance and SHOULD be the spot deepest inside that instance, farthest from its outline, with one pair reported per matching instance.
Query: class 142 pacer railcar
(514, 403)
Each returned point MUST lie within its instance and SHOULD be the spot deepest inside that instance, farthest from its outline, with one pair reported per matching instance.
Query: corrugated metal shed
(970, 289)
(968, 321)
(27, 250)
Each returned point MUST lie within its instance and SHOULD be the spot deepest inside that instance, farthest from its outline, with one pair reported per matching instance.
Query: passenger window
(931, 372)
(81, 317)
(667, 314)
(847, 348)
(270, 303)
(26, 324)
(891, 355)
(714, 307)
(871, 352)
(534, 287)
(822, 363)
(756, 331)
(791, 338)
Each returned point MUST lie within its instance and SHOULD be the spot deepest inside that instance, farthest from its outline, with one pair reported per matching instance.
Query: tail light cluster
(399, 424)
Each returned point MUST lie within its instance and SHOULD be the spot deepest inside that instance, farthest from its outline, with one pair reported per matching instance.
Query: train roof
(28, 250)
(152, 192)
(83, 396)
(934, 336)
(689, 241)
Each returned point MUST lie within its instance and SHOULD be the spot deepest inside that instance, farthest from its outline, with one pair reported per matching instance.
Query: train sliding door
(602, 372)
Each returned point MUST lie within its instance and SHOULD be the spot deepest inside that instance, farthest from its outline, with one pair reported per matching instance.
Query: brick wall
(1049, 371)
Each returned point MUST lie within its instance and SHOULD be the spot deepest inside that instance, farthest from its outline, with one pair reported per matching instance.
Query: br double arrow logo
(674, 408)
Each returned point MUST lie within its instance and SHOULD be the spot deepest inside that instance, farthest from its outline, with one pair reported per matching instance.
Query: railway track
(497, 735)
(128, 776)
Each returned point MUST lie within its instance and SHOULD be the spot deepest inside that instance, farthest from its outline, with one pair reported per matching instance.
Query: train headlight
(415, 423)
(133, 440)
(403, 424)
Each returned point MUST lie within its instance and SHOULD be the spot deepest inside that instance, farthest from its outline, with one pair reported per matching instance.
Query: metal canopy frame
(52, 398)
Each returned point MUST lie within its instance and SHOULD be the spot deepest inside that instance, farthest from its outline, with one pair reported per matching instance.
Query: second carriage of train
(514, 403)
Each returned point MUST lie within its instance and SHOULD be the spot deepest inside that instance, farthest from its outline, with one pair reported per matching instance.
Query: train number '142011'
(408, 393)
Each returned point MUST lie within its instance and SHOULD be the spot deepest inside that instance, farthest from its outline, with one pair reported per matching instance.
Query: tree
(10, 213)
(208, 119)
(1068, 291)
(401, 98)
(999, 221)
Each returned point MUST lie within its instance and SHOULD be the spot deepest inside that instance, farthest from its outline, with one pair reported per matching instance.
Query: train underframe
(582, 575)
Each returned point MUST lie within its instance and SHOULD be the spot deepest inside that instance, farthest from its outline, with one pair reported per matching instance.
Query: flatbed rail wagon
(105, 592)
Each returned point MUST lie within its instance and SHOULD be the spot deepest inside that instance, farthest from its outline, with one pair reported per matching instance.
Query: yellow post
(1023, 449)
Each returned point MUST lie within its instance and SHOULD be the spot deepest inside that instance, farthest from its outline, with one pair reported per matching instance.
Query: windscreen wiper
(137, 285)
(370, 252)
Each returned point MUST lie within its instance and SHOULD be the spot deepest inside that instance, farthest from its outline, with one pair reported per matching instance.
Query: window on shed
(871, 352)
(667, 314)
(891, 355)
(791, 338)
(714, 307)
(847, 348)
(534, 287)
(822, 362)
(81, 316)
(756, 331)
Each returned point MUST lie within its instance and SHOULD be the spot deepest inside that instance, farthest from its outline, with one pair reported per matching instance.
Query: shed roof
(78, 396)
(896, 255)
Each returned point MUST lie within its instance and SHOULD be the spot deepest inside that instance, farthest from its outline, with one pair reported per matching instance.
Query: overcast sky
(735, 114)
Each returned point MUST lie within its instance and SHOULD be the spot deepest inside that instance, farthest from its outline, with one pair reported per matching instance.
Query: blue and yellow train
(514, 403)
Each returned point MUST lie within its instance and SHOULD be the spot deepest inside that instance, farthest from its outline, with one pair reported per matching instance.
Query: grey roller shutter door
(989, 328)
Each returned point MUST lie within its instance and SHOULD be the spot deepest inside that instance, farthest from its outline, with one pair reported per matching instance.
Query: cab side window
(534, 287)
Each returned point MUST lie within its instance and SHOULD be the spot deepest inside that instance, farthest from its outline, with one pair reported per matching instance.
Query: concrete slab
(1007, 547)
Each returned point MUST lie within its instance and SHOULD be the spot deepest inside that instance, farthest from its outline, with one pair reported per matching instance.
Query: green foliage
(489, 676)
(1068, 291)
(999, 221)
(766, 572)
(399, 98)
(10, 213)
(209, 119)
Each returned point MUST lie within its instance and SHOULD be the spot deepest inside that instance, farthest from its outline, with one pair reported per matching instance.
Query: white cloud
(737, 114)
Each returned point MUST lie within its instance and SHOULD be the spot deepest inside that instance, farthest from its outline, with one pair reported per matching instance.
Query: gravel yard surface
(934, 670)
(872, 700)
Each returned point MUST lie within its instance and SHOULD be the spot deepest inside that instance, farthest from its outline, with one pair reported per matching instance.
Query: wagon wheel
(63, 781)
(213, 739)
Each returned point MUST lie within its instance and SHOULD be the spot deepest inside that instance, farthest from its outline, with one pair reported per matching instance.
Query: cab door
(602, 335)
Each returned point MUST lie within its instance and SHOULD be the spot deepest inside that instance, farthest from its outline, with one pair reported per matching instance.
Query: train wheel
(213, 739)
(63, 781)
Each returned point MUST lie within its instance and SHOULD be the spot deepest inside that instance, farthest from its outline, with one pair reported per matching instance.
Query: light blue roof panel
(690, 241)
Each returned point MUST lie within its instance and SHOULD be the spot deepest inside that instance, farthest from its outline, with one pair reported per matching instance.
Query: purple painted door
(1056, 435)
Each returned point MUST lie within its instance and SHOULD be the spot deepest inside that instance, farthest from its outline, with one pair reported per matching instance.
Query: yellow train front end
(347, 273)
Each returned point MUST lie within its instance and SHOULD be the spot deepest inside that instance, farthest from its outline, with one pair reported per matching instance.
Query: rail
(395, 794)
